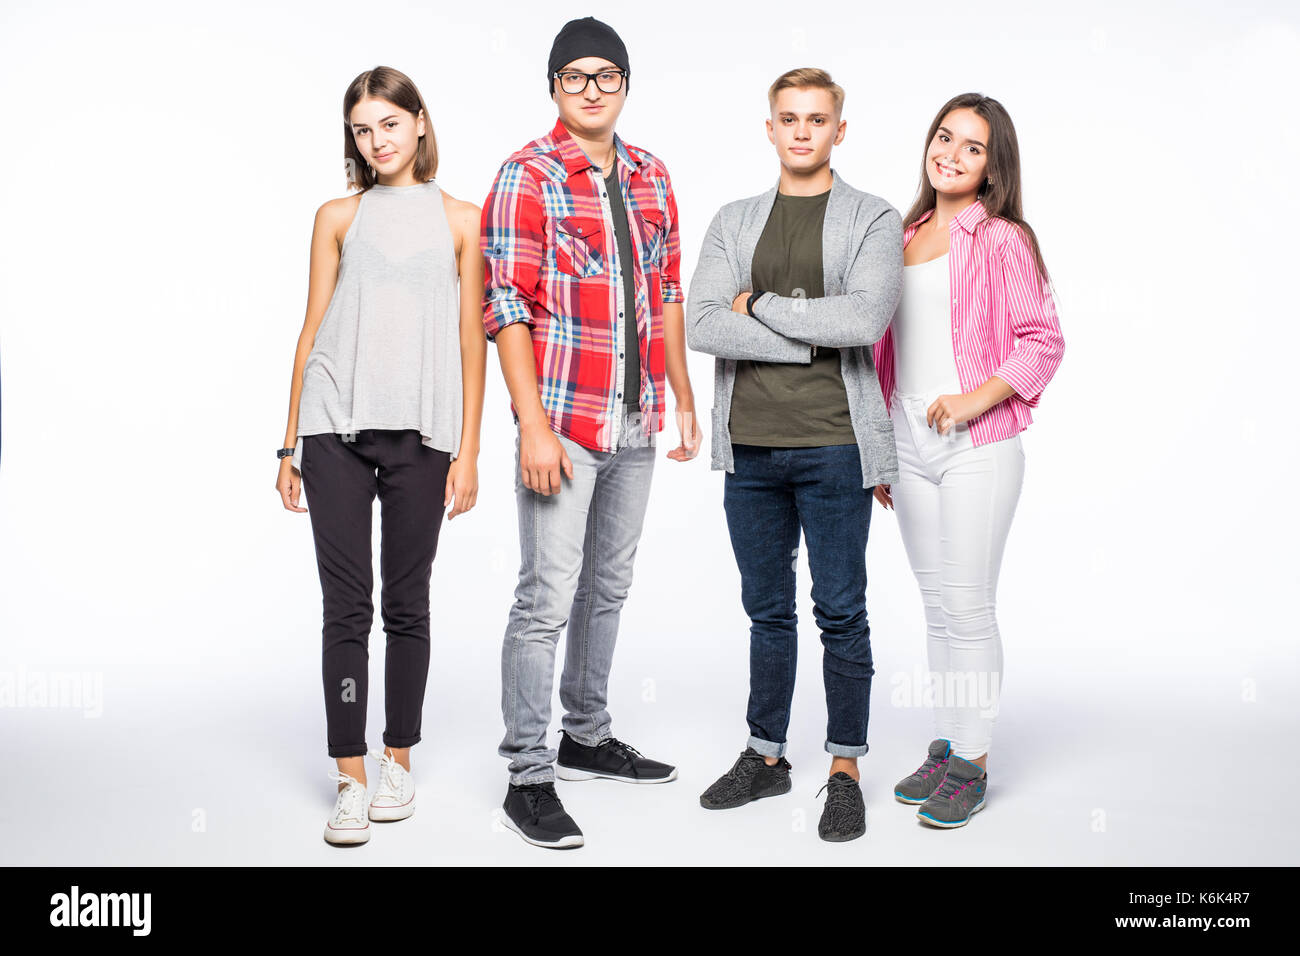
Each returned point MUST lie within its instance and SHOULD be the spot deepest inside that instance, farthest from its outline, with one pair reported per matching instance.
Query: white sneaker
(394, 797)
(348, 823)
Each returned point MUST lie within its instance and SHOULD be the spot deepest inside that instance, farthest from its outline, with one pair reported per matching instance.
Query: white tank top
(387, 354)
(923, 354)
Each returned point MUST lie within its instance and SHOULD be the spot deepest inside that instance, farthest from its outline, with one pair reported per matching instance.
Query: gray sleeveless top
(387, 353)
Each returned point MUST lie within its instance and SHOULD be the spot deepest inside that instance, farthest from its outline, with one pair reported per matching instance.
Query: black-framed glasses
(607, 81)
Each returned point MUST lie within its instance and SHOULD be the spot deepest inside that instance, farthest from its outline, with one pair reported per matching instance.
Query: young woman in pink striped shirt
(973, 343)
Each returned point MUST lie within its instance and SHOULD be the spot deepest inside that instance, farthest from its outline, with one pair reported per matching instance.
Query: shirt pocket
(654, 236)
(578, 246)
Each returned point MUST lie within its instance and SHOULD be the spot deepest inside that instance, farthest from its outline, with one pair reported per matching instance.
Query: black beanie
(585, 37)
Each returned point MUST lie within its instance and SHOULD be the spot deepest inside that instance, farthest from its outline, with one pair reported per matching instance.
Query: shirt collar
(575, 160)
(968, 218)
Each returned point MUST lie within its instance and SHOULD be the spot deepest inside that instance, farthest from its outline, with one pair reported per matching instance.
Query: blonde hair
(802, 78)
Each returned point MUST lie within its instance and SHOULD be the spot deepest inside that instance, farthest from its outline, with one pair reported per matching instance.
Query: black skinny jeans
(340, 479)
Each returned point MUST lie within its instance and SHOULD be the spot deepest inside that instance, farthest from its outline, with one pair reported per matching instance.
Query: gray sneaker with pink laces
(959, 797)
(918, 787)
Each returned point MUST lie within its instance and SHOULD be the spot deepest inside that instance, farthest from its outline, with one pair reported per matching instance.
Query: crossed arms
(787, 327)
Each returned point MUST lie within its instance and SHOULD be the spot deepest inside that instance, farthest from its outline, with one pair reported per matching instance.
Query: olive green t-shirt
(787, 404)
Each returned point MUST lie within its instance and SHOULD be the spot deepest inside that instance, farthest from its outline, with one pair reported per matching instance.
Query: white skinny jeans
(954, 503)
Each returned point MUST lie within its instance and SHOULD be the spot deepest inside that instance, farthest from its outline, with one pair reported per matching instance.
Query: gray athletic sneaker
(918, 787)
(959, 796)
(750, 778)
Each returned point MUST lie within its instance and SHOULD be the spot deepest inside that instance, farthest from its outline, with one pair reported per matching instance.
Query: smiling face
(957, 160)
(803, 127)
(386, 135)
(591, 113)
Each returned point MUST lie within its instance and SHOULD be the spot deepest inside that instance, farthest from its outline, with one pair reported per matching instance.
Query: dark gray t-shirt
(631, 384)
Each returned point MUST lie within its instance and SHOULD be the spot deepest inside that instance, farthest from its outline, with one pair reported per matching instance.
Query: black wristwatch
(284, 452)
(749, 303)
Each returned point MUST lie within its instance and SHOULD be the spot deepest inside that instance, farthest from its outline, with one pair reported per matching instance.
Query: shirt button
(620, 394)
(620, 315)
(620, 354)
(954, 301)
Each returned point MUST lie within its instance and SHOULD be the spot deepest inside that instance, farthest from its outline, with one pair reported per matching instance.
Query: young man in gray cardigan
(791, 290)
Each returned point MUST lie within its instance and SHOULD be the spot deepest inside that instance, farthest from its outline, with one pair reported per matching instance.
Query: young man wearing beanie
(792, 288)
(583, 300)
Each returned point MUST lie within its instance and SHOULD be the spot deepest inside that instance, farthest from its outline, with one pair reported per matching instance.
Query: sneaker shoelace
(541, 797)
(950, 788)
(731, 781)
(390, 775)
(740, 769)
(930, 766)
(626, 751)
(351, 799)
(840, 805)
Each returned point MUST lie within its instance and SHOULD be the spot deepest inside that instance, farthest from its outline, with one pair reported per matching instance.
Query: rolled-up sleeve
(671, 274)
(511, 237)
(1031, 310)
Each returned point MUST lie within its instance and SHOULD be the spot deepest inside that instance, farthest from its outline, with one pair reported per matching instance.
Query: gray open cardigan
(862, 264)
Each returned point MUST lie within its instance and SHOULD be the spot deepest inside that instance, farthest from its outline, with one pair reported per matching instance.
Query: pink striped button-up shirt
(1003, 320)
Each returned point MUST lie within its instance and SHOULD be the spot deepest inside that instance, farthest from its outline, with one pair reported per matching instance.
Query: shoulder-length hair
(1000, 191)
(385, 83)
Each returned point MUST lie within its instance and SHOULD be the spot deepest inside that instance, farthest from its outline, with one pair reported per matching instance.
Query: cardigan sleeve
(874, 284)
(713, 328)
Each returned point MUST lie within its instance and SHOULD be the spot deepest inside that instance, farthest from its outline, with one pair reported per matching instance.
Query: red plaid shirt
(548, 238)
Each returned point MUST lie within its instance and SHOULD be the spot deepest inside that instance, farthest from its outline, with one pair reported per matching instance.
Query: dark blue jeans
(772, 493)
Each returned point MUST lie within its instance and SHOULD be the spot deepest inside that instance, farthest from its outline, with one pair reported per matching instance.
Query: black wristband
(749, 303)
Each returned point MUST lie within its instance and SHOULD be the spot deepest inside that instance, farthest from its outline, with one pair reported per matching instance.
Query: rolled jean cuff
(846, 750)
(545, 775)
(594, 741)
(766, 747)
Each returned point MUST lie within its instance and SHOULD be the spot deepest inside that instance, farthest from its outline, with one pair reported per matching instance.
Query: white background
(162, 166)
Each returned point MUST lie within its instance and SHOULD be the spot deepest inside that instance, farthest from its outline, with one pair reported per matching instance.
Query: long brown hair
(385, 83)
(1000, 191)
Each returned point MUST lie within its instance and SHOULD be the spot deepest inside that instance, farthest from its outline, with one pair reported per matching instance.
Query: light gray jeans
(576, 550)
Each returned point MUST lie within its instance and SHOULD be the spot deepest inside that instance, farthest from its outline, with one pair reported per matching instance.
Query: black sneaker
(749, 779)
(611, 758)
(534, 812)
(845, 815)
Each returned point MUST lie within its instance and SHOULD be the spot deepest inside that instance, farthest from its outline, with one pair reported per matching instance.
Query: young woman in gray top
(386, 399)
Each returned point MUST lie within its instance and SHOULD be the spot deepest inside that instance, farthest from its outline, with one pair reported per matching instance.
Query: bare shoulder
(335, 216)
(459, 210)
(462, 217)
